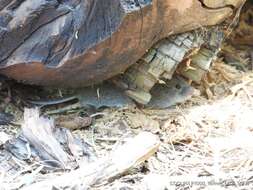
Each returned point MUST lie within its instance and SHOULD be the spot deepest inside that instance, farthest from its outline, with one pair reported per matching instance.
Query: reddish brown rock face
(81, 42)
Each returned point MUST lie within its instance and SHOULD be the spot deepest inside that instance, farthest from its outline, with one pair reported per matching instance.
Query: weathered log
(82, 42)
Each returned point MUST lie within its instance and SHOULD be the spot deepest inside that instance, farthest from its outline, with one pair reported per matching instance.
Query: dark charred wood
(82, 42)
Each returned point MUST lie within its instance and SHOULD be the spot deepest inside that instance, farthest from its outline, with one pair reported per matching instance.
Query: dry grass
(205, 144)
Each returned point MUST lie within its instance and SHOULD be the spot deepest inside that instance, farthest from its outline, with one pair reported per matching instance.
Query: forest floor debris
(204, 143)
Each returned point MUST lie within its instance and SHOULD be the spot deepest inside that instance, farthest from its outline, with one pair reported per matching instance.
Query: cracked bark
(82, 42)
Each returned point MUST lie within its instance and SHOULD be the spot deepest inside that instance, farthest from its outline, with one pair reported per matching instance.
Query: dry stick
(240, 86)
(135, 151)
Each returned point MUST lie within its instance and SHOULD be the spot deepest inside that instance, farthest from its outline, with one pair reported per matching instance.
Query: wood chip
(135, 151)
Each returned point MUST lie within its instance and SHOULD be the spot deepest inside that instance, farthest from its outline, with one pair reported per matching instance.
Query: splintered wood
(132, 153)
(157, 65)
(39, 132)
(189, 54)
